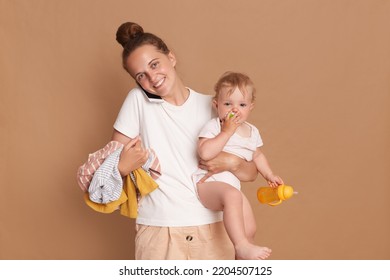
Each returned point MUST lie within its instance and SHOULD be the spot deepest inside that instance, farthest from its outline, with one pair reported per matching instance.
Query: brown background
(322, 70)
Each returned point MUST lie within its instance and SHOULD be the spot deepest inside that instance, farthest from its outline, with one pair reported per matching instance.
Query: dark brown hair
(233, 80)
(131, 36)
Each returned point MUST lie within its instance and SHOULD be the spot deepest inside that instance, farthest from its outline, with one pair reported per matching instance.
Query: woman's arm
(133, 155)
(120, 137)
(245, 171)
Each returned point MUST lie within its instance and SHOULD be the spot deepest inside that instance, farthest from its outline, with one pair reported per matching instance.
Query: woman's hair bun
(128, 31)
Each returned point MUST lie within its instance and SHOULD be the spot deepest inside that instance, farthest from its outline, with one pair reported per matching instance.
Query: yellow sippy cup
(274, 196)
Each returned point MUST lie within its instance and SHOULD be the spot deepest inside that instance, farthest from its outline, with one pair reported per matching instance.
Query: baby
(229, 132)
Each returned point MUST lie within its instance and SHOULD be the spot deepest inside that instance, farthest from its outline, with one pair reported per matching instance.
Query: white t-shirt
(172, 132)
(243, 147)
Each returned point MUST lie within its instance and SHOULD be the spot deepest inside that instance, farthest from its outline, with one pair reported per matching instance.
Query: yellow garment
(127, 202)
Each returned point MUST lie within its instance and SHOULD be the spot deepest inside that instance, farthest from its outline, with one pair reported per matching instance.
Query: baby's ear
(215, 104)
(252, 106)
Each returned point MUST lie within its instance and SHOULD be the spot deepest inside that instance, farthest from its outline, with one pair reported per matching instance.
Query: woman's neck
(179, 94)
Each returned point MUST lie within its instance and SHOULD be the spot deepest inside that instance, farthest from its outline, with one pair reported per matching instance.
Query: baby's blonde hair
(232, 80)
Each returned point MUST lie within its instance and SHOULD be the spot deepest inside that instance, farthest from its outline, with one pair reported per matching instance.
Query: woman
(165, 115)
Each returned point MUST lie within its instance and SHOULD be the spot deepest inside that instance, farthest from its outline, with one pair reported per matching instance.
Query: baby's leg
(221, 196)
(250, 230)
(249, 219)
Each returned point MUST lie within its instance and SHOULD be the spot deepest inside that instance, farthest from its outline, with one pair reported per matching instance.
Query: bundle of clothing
(105, 189)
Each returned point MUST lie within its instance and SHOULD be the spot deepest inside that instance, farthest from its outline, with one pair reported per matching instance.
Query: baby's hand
(274, 181)
(230, 123)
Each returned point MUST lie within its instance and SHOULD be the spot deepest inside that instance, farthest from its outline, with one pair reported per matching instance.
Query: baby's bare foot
(249, 251)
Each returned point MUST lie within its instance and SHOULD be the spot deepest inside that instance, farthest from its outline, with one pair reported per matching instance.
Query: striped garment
(106, 185)
(86, 172)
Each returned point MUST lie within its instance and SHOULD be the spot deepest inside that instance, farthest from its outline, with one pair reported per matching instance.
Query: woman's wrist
(122, 169)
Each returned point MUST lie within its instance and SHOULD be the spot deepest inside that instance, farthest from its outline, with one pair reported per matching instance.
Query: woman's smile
(159, 83)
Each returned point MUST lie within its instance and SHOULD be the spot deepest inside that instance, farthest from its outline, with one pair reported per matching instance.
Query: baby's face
(236, 102)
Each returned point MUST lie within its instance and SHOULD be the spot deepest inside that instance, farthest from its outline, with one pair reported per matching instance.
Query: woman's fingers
(132, 143)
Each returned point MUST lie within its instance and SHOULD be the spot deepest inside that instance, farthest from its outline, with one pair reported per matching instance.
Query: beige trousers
(206, 242)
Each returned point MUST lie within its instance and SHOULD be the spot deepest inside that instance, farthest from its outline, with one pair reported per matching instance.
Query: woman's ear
(172, 58)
